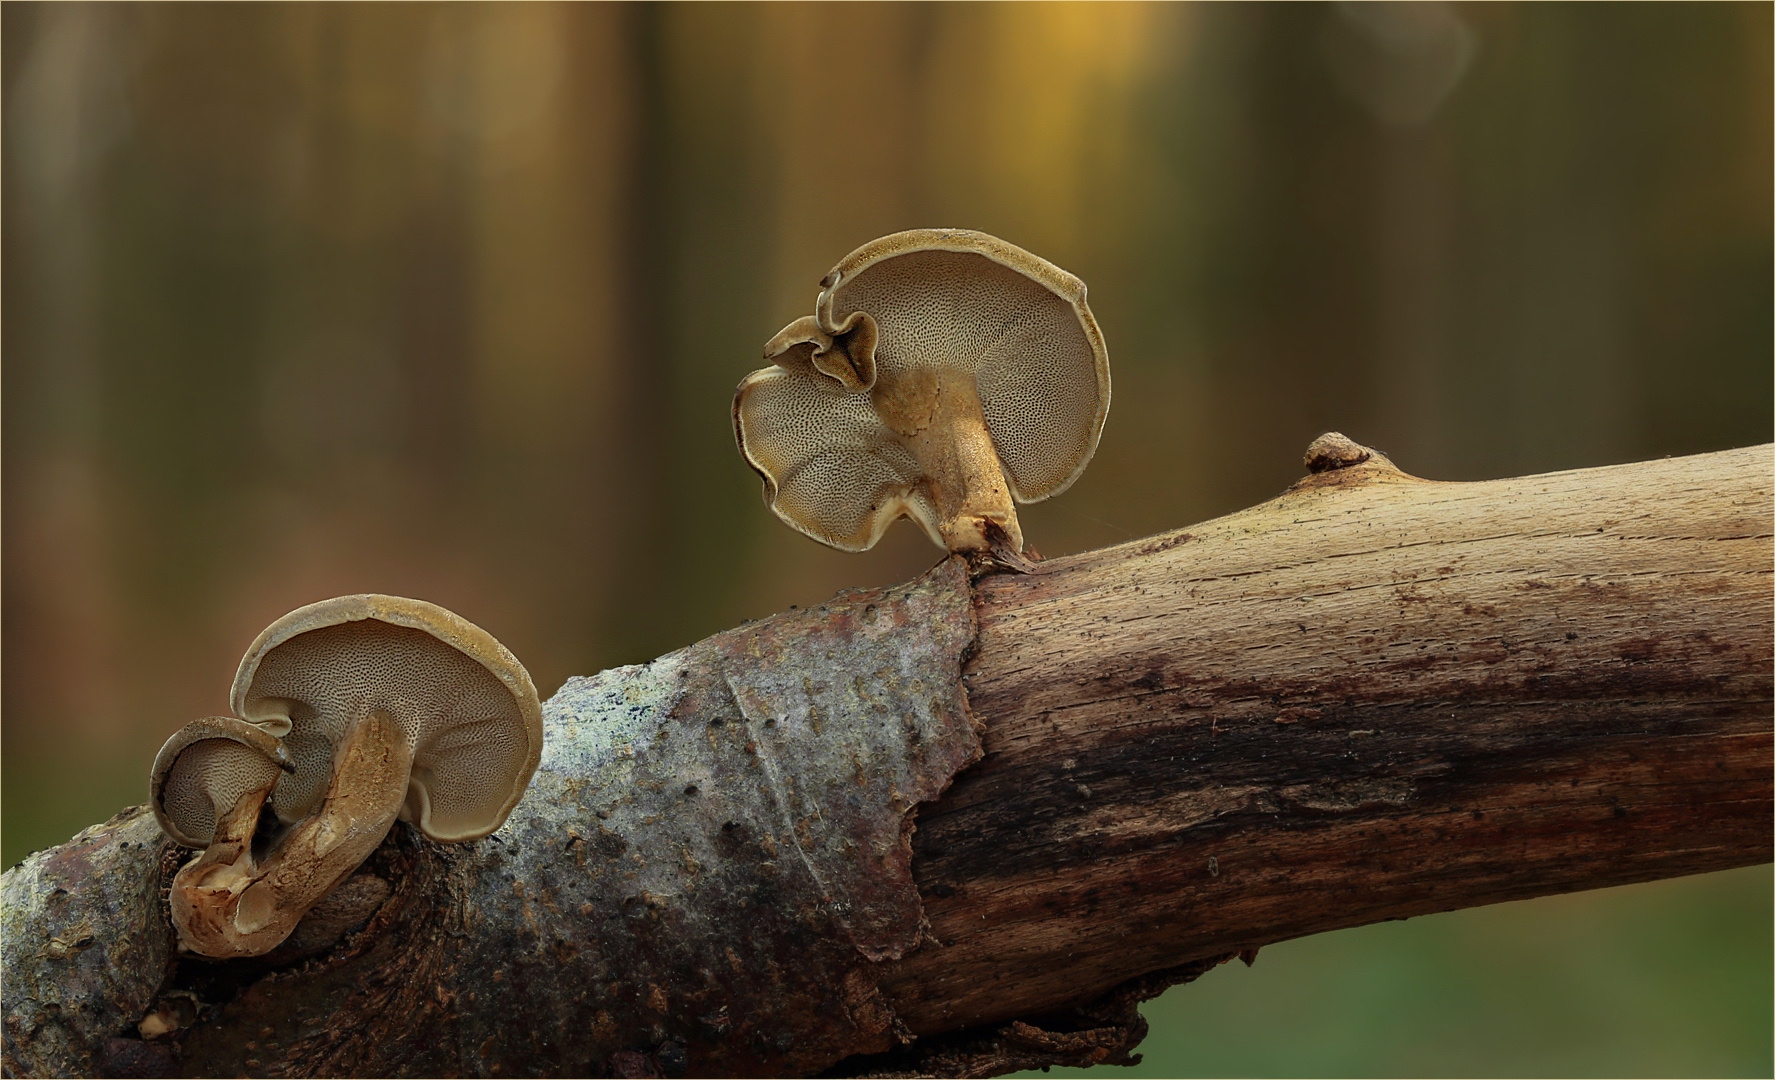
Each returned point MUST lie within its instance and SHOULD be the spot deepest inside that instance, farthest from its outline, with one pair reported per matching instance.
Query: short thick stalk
(235, 905)
(962, 471)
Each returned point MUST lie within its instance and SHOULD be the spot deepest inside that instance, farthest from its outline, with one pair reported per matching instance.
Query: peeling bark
(1373, 696)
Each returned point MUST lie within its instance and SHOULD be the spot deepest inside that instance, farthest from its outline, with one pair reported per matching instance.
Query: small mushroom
(943, 374)
(384, 707)
(208, 773)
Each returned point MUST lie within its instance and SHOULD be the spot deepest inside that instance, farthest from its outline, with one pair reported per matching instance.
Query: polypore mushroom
(384, 707)
(210, 779)
(943, 374)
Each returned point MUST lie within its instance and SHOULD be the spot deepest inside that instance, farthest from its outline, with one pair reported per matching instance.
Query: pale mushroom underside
(837, 471)
(471, 745)
(206, 781)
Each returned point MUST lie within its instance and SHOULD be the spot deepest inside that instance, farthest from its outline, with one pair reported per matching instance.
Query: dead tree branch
(1373, 696)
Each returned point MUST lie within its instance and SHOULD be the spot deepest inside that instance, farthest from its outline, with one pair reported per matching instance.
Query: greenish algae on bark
(709, 865)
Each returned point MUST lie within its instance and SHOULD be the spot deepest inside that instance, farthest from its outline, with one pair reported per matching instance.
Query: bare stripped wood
(1373, 697)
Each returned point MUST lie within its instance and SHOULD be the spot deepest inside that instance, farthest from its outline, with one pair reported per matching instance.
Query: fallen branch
(1372, 697)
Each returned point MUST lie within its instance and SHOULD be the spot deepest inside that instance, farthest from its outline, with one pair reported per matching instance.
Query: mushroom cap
(202, 771)
(942, 306)
(464, 703)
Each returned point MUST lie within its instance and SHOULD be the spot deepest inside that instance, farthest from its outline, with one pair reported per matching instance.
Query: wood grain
(1372, 697)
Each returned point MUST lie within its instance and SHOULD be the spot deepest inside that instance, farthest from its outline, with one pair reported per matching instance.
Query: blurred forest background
(450, 301)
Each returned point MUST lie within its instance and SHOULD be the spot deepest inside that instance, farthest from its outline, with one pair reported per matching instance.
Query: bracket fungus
(207, 771)
(943, 375)
(355, 711)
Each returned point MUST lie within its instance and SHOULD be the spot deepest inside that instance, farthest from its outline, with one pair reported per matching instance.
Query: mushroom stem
(227, 904)
(204, 890)
(963, 476)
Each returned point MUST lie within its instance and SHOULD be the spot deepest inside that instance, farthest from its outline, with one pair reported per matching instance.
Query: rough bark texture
(1374, 696)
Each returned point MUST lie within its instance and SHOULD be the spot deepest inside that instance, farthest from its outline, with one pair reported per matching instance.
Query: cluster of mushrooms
(943, 376)
(349, 713)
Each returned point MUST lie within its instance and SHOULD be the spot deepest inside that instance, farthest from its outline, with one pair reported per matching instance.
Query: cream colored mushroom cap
(962, 304)
(203, 769)
(466, 705)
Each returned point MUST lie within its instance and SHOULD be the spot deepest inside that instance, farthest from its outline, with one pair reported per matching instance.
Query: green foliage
(1669, 978)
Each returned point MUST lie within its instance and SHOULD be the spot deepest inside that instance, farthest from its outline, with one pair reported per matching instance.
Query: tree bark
(963, 826)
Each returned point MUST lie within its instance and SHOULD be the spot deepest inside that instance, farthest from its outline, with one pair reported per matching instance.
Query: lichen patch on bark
(705, 872)
(84, 945)
(714, 849)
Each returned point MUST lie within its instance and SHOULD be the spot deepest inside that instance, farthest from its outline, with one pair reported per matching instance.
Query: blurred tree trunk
(641, 426)
(962, 826)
